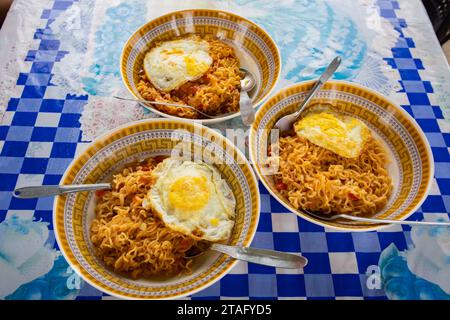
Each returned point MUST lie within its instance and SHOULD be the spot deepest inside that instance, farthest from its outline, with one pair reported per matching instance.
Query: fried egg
(192, 198)
(339, 133)
(173, 63)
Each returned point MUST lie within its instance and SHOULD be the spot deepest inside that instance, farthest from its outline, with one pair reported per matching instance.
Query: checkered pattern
(40, 135)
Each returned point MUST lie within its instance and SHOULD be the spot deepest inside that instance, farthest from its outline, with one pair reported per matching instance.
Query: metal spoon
(286, 122)
(245, 103)
(261, 256)
(47, 191)
(324, 217)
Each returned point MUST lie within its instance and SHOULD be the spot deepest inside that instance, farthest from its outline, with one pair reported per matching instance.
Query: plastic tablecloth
(59, 69)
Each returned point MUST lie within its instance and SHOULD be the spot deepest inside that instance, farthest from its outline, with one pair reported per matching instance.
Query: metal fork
(325, 217)
(261, 256)
(174, 105)
(48, 191)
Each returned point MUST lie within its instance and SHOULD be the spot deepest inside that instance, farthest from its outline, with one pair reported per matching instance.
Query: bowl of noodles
(175, 186)
(193, 58)
(352, 151)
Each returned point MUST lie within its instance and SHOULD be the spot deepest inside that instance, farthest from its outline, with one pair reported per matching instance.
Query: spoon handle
(247, 111)
(47, 191)
(262, 256)
(332, 67)
(171, 105)
(154, 102)
(401, 222)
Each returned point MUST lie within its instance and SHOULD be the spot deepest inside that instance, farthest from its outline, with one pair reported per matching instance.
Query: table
(59, 66)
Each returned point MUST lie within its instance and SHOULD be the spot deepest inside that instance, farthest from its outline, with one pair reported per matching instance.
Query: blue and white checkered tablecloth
(41, 133)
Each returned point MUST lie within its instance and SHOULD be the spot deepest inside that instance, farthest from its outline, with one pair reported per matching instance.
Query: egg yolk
(340, 134)
(189, 193)
(194, 67)
(327, 123)
(214, 222)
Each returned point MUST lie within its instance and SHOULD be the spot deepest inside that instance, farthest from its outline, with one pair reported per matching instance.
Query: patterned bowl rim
(408, 117)
(230, 265)
(202, 121)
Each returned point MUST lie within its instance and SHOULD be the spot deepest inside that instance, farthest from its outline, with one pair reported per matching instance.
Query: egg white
(214, 218)
(173, 63)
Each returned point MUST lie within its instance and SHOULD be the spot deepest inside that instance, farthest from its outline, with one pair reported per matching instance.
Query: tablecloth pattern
(40, 135)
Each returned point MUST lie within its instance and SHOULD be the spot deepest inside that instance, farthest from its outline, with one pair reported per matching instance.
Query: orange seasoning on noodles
(129, 238)
(317, 179)
(215, 92)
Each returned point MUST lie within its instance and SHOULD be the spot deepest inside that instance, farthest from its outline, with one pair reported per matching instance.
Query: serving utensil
(245, 103)
(174, 105)
(260, 256)
(326, 217)
(47, 191)
(286, 122)
(265, 257)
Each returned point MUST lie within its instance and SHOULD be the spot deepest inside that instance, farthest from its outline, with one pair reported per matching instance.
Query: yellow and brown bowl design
(256, 50)
(411, 166)
(73, 213)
